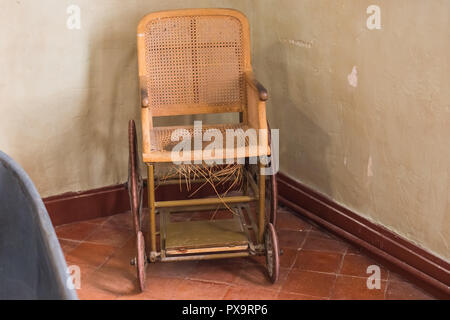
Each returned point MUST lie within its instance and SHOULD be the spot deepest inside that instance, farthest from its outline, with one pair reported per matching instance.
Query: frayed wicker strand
(229, 175)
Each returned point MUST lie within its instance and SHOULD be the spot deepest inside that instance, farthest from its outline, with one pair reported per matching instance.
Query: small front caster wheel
(141, 260)
(272, 253)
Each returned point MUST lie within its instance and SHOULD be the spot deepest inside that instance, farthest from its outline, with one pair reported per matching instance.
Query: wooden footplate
(202, 237)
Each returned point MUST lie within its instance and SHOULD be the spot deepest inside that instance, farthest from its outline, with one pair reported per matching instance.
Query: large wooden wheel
(135, 191)
(140, 260)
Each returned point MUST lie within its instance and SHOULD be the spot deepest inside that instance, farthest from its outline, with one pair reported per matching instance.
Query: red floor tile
(259, 260)
(114, 281)
(86, 271)
(356, 265)
(120, 221)
(320, 233)
(224, 271)
(321, 261)
(255, 276)
(98, 221)
(295, 296)
(355, 288)
(393, 276)
(320, 243)
(90, 254)
(309, 283)
(156, 289)
(90, 292)
(288, 221)
(244, 293)
(121, 258)
(197, 290)
(76, 231)
(288, 257)
(110, 236)
(405, 291)
(180, 269)
(68, 245)
(291, 239)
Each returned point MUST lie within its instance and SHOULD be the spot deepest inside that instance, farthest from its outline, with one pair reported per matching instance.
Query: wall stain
(298, 43)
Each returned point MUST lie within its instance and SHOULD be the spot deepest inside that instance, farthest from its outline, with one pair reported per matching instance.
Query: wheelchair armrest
(256, 85)
(144, 92)
(256, 103)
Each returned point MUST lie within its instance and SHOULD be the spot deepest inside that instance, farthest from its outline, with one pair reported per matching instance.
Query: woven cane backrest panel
(194, 60)
(161, 138)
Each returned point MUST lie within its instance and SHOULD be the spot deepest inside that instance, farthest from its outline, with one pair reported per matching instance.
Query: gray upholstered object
(32, 265)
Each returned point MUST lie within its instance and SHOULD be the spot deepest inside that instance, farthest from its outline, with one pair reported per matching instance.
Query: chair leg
(262, 204)
(151, 204)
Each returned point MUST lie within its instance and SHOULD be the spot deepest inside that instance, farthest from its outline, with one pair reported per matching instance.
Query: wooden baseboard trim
(425, 269)
(87, 205)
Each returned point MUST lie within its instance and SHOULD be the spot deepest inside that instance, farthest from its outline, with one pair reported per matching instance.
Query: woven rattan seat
(162, 143)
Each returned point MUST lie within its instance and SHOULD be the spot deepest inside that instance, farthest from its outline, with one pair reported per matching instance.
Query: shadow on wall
(296, 128)
(111, 100)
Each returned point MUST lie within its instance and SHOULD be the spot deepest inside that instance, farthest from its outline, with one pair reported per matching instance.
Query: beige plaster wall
(382, 148)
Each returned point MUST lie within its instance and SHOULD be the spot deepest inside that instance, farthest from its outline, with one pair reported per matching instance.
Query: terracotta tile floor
(314, 265)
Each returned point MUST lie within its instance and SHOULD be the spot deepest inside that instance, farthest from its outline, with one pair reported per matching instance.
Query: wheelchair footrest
(205, 236)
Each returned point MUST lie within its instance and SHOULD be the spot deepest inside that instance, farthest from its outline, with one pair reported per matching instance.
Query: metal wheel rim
(272, 253)
(269, 253)
(141, 260)
(135, 182)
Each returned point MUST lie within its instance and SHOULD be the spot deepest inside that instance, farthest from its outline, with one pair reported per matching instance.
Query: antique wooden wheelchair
(197, 61)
